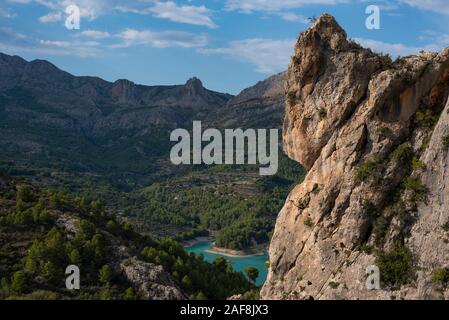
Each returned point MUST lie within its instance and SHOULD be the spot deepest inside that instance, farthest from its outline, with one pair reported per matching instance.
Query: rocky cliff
(374, 136)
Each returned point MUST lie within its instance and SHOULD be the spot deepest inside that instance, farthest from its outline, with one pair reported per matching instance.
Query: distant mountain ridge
(259, 106)
(64, 123)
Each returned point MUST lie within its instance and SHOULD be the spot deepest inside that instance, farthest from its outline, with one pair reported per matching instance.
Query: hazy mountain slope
(85, 124)
(259, 106)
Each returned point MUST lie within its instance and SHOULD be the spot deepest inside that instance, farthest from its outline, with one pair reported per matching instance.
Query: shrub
(105, 274)
(322, 113)
(186, 281)
(417, 164)
(252, 273)
(446, 141)
(24, 193)
(291, 96)
(380, 228)
(200, 296)
(55, 201)
(129, 294)
(396, 265)
(366, 248)
(403, 153)
(386, 61)
(333, 285)
(312, 19)
(39, 295)
(251, 295)
(441, 275)
(384, 131)
(18, 282)
(415, 185)
(366, 170)
(308, 222)
(425, 118)
(106, 294)
(296, 61)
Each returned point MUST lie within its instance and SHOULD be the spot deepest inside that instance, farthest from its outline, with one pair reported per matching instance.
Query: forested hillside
(43, 231)
(111, 141)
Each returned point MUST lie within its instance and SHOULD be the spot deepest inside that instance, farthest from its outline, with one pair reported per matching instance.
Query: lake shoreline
(235, 253)
(255, 251)
(240, 260)
(198, 240)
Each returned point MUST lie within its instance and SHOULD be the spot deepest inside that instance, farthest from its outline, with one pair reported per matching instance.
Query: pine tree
(252, 273)
(129, 294)
(18, 282)
(105, 274)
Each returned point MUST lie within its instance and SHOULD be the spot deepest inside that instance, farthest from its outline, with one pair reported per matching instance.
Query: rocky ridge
(373, 135)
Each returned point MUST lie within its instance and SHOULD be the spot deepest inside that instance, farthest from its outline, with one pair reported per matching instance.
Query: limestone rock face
(370, 133)
(327, 80)
(152, 281)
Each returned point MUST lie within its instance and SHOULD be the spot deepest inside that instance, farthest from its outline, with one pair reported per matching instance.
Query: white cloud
(440, 40)
(4, 13)
(281, 8)
(51, 17)
(184, 14)
(395, 49)
(439, 6)
(163, 39)
(95, 34)
(270, 5)
(20, 1)
(267, 55)
(91, 9)
(293, 17)
(16, 43)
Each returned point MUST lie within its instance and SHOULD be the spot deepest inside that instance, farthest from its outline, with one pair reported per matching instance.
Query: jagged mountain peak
(194, 82)
(194, 86)
(327, 27)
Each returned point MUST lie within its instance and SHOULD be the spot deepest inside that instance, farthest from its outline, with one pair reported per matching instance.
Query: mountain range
(63, 123)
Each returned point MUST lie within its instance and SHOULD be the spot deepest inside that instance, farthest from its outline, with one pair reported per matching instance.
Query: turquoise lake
(238, 264)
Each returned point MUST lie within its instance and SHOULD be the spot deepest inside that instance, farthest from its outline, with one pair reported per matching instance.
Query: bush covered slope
(42, 232)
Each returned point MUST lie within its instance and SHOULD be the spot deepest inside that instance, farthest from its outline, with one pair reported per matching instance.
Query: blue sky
(228, 44)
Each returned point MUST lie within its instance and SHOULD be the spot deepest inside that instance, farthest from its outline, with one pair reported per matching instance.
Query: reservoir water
(238, 263)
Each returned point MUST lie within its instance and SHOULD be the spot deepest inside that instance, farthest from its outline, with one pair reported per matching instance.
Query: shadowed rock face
(355, 120)
(120, 129)
(88, 100)
(61, 122)
(259, 106)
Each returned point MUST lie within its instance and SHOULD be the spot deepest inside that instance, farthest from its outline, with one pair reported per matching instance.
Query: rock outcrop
(152, 282)
(373, 135)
